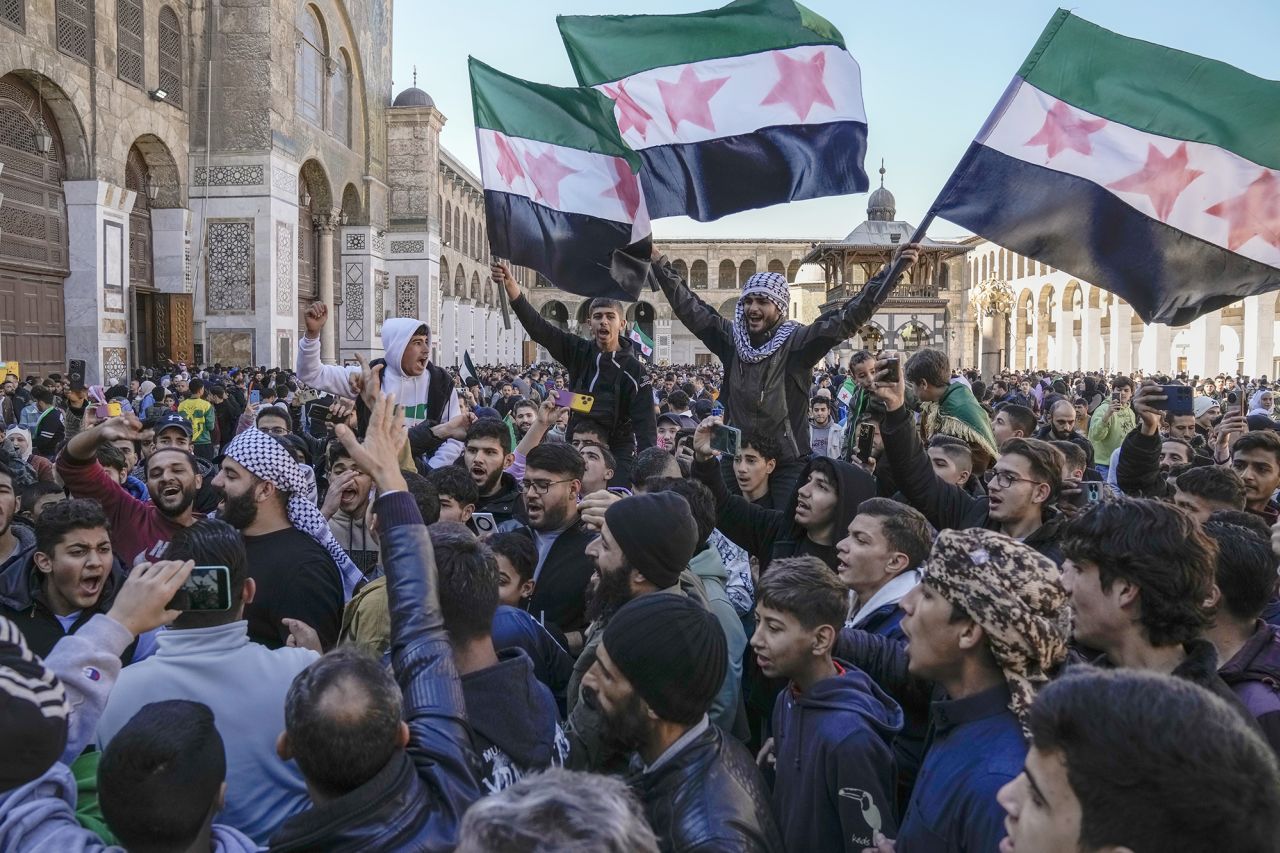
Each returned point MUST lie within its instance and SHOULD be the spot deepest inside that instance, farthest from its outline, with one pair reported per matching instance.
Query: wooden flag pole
(898, 265)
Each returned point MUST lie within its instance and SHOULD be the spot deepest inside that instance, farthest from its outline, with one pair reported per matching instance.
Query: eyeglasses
(1005, 479)
(541, 487)
(276, 431)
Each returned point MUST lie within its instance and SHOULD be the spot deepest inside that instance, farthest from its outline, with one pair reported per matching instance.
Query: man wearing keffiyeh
(768, 359)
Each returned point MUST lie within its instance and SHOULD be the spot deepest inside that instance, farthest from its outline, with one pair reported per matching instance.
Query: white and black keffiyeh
(772, 286)
(266, 458)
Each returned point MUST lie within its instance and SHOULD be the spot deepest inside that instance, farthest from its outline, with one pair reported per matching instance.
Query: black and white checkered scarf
(267, 459)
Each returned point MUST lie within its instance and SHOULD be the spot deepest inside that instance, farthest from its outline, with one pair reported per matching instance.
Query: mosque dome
(413, 97)
(881, 205)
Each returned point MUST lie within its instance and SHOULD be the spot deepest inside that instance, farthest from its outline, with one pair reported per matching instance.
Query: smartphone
(866, 439)
(207, 588)
(113, 409)
(255, 397)
(102, 411)
(576, 402)
(484, 523)
(892, 370)
(75, 374)
(726, 439)
(1092, 491)
(1244, 405)
(1178, 402)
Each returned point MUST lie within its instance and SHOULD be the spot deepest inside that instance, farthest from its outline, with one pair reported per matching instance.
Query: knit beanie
(656, 533)
(1200, 405)
(671, 650)
(33, 712)
(771, 285)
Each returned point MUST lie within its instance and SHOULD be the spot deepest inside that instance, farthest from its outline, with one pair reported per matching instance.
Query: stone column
(993, 337)
(1258, 343)
(324, 260)
(1065, 356)
(1091, 338)
(1121, 337)
(1155, 354)
(1206, 345)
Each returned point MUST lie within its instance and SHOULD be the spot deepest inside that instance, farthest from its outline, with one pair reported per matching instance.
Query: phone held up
(576, 402)
(892, 370)
(208, 588)
(75, 374)
(727, 440)
(866, 439)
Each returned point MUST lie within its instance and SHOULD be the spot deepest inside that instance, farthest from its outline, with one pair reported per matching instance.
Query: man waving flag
(561, 193)
(1150, 172)
(753, 104)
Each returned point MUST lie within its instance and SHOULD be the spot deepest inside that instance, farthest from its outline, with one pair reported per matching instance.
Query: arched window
(776, 266)
(793, 270)
(460, 284)
(475, 287)
(466, 235)
(170, 42)
(310, 68)
(448, 224)
(341, 119)
(698, 275)
(728, 275)
(457, 225)
(443, 273)
(680, 269)
(13, 14)
(914, 335)
(745, 271)
(129, 49)
(75, 22)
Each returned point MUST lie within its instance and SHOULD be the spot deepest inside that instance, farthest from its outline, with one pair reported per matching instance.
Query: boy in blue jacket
(832, 727)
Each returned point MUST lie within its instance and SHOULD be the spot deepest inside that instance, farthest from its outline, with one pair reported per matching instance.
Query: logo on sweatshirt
(91, 673)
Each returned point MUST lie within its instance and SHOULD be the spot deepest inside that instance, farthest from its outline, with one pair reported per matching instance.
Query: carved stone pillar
(324, 268)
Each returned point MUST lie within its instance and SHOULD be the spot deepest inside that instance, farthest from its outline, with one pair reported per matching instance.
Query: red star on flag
(1063, 129)
(1253, 213)
(626, 187)
(800, 84)
(1162, 179)
(630, 114)
(689, 99)
(546, 173)
(508, 163)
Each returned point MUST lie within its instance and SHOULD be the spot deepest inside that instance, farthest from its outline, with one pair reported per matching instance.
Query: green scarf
(958, 413)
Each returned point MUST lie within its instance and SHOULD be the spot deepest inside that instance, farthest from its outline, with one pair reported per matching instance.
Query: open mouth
(171, 491)
(802, 506)
(91, 585)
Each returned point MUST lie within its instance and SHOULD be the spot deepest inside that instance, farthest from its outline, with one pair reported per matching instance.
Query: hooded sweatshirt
(1253, 674)
(430, 396)
(768, 534)
(514, 721)
(834, 777)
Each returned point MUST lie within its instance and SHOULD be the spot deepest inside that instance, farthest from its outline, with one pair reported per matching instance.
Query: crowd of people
(778, 603)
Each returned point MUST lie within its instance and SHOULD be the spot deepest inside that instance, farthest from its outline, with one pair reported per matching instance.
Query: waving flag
(642, 341)
(561, 192)
(753, 104)
(1145, 170)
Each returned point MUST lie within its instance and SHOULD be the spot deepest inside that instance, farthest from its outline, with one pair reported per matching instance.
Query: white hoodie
(410, 391)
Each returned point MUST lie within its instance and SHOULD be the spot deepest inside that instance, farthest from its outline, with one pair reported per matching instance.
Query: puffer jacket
(1253, 674)
(417, 800)
(709, 797)
(770, 397)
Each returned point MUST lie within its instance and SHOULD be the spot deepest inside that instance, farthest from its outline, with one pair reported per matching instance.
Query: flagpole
(881, 290)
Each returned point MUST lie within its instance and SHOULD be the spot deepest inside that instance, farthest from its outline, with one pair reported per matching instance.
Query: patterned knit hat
(771, 285)
(1015, 594)
(33, 711)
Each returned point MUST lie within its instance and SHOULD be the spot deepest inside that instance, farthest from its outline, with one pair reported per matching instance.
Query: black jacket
(1045, 433)
(709, 797)
(617, 380)
(946, 506)
(514, 720)
(769, 397)
(770, 534)
(560, 595)
(1138, 471)
(417, 800)
(505, 505)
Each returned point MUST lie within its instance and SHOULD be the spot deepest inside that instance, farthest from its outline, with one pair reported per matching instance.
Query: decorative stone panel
(408, 247)
(115, 363)
(382, 281)
(355, 243)
(353, 300)
(406, 296)
(284, 268)
(229, 176)
(284, 179)
(229, 271)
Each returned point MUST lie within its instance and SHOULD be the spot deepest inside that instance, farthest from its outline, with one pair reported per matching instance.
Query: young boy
(832, 726)
(516, 557)
(457, 491)
(757, 459)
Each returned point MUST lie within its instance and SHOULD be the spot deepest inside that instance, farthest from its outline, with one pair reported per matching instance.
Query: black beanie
(656, 533)
(672, 651)
(33, 712)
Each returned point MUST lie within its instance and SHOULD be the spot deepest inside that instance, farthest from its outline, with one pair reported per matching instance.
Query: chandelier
(993, 297)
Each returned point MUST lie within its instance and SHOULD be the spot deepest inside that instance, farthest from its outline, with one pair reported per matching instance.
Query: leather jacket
(709, 797)
(417, 800)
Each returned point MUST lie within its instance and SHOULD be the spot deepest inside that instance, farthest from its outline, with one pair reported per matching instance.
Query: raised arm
(698, 317)
(559, 343)
(816, 340)
(330, 378)
(751, 527)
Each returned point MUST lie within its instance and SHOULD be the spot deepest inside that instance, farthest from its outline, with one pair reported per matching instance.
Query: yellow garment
(197, 411)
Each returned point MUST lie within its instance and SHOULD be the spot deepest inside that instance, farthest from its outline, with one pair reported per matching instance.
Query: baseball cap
(681, 421)
(171, 420)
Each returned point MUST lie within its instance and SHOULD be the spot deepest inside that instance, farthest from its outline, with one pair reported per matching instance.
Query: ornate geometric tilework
(229, 270)
(284, 179)
(353, 300)
(406, 296)
(382, 280)
(114, 363)
(284, 268)
(379, 244)
(355, 242)
(186, 265)
(229, 176)
(407, 247)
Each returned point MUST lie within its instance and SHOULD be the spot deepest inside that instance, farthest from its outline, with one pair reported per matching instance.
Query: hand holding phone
(727, 440)
(866, 440)
(484, 523)
(255, 397)
(576, 402)
(207, 588)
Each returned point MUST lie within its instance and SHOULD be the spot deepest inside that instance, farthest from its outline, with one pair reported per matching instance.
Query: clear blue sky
(931, 71)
